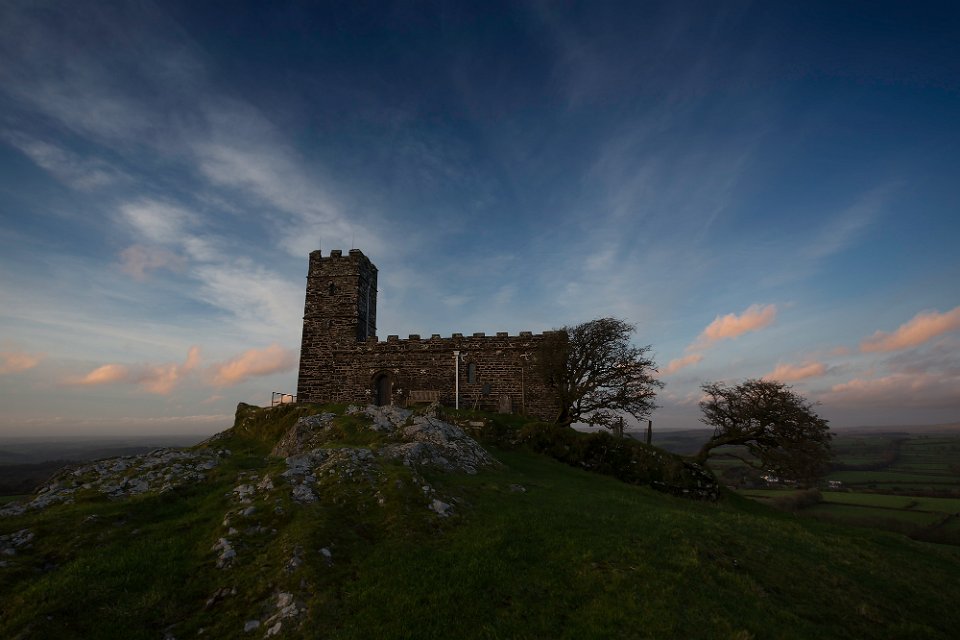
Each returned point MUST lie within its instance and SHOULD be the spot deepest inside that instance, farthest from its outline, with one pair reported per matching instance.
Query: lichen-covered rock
(158, 471)
(440, 507)
(10, 543)
(303, 493)
(303, 435)
(432, 442)
(227, 553)
(416, 440)
(385, 418)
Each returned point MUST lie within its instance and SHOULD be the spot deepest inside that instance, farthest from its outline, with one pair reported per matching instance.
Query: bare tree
(778, 427)
(597, 375)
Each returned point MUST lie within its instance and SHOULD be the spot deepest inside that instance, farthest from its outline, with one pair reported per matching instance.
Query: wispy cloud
(848, 225)
(679, 363)
(137, 260)
(753, 318)
(253, 363)
(157, 222)
(154, 378)
(260, 300)
(727, 327)
(16, 361)
(897, 390)
(104, 374)
(791, 372)
(924, 326)
(156, 96)
(79, 172)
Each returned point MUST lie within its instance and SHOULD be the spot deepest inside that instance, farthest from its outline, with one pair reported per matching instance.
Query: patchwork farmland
(903, 482)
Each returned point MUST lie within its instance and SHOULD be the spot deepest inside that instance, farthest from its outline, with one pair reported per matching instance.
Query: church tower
(340, 310)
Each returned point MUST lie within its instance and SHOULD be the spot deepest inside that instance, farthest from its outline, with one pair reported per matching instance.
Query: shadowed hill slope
(385, 524)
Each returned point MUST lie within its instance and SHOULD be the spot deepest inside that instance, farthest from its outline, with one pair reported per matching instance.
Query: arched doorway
(383, 389)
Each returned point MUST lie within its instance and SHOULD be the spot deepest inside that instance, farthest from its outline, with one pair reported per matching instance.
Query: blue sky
(763, 189)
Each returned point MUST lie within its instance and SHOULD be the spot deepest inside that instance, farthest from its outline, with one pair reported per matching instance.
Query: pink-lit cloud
(15, 361)
(252, 363)
(919, 329)
(791, 372)
(154, 378)
(897, 390)
(679, 363)
(105, 375)
(163, 378)
(136, 260)
(753, 318)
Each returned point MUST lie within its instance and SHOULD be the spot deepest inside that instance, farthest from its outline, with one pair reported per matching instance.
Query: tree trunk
(704, 453)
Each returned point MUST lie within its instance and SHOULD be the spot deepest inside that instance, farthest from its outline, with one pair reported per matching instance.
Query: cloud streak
(16, 361)
(136, 260)
(792, 372)
(924, 326)
(253, 363)
(79, 172)
(897, 390)
(730, 326)
(160, 379)
(679, 363)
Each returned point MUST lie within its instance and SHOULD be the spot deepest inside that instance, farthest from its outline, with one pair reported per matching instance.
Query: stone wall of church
(341, 359)
(496, 373)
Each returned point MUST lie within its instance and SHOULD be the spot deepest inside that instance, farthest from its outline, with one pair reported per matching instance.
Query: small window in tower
(472, 373)
(333, 289)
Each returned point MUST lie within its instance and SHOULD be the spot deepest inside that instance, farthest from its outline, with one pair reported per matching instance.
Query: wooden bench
(417, 397)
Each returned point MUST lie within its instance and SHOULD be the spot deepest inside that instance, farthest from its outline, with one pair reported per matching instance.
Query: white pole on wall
(456, 377)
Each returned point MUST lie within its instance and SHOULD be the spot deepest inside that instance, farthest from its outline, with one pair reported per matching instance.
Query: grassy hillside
(531, 548)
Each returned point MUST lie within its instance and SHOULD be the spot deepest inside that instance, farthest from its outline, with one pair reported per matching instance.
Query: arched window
(472, 373)
(333, 289)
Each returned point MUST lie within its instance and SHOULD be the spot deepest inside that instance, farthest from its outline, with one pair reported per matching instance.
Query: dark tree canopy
(777, 426)
(597, 375)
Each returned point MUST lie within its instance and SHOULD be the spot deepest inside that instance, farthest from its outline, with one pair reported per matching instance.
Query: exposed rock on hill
(155, 472)
(415, 439)
(305, 435)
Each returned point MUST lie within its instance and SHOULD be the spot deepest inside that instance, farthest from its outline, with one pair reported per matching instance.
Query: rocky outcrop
(11, 543)
(305, 435)
(432, 442)
(158, 471)
(415, 439)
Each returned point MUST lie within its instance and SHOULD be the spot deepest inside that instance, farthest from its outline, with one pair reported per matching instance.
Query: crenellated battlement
(337, 253)
(459, 337)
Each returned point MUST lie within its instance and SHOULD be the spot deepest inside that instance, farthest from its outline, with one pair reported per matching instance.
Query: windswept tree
(777, 426)
(597, 375)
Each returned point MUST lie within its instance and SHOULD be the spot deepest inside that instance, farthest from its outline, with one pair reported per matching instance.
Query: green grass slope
(533, 549)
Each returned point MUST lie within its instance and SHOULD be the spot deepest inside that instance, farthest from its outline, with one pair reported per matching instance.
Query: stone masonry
(342, 360)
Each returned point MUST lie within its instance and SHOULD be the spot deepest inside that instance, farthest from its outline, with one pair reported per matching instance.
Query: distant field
(921, 517)
(893, 481)
(860, 449)
(898, 462)
(892, 477)
(945, 505)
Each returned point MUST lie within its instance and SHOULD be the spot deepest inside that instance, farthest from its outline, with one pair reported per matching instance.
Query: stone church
(342, 360)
